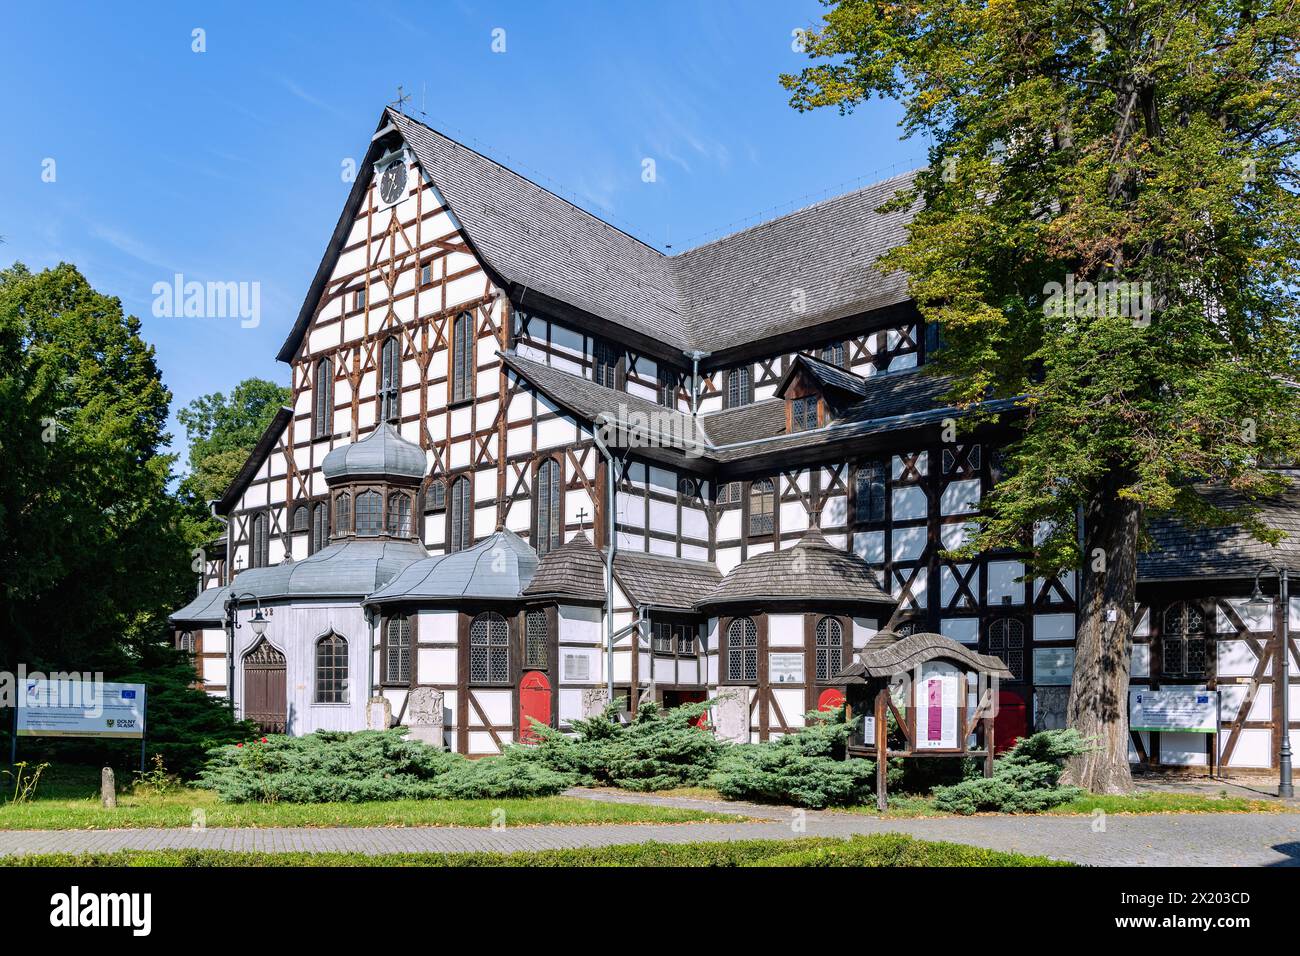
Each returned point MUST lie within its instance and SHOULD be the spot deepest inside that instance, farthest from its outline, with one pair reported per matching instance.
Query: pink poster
(934, 710)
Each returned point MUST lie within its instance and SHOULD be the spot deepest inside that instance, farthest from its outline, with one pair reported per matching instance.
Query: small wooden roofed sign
(924, 682)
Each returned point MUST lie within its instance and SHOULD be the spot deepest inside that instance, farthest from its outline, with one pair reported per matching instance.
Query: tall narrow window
(343, 514)
(359, 299)
(399, 515)
(1183, 641)
(548, 528)
(803, 413)
(462, 358)
(369, 513)
(390, 384)
(1007, 641)
(460, 514)
(435, 497)
(830, 648)
(535, 633)
(322, 419)
(667, 387)
(869, 492)
(833, 354)
(261, 555)
(320, 526)
(742, 651)
(740, 389)
(762, 507)
(331, 670)
(397, 651)
(426, 273)
(489, 649)
(605, 358)
(300, 518)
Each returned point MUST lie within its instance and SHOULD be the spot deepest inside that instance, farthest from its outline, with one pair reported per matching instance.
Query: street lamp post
(257, 622)
(1258, 603)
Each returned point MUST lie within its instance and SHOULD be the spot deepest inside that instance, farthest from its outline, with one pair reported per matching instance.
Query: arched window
(390, 386)
(320, 526)
(331, 670)
(604, 363)
(261, 553)
(742, 651)
(535, 633)
(869, 491)
(1183, 641)
(489, 649)
(300, 518)
(462, 358)
(369, 513)
(397, 651)
(435, 497)
(185, 642)
(322, 420)
(830, 648)
(762, 507)
(548, 528)
(1007, 641)
(399, 515)
(459, 531)
(740, 390)
(343, 514)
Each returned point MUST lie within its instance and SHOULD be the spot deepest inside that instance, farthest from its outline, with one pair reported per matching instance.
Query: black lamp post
(257, 622)
(1258, 604)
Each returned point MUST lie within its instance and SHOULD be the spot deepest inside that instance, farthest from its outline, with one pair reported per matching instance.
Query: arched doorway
(265, 688)
(534, 704)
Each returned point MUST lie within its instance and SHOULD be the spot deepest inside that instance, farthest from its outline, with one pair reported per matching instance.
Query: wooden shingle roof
(574, 571)
(813, 570)
(887, 654)
(663, 581)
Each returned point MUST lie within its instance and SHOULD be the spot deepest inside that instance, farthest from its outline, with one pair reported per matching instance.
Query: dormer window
(803, 413)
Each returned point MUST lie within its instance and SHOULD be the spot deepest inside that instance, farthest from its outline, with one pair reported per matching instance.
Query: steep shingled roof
(574, 571)
(1182, 552)
(721, 295)
(813, 570)
(664, 581)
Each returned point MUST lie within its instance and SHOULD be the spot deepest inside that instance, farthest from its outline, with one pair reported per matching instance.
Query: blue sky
(226, 165)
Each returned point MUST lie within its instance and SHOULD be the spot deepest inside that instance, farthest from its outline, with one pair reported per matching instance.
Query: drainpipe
(695, 355)
(643, 629)
(611, 520)
(230, 624)
(372, 612)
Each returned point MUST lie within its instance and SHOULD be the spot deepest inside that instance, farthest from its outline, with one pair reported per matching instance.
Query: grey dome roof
(499, 567)
(813, 570)
(208, 608)
(350, 568)
(383, 452)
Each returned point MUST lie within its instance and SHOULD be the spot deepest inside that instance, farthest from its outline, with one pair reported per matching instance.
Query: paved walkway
(1224, 839)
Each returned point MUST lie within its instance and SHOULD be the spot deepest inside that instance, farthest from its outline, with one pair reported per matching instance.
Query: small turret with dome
(373, 485)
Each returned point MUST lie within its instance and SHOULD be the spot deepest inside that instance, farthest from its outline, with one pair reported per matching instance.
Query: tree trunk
(1099, 692)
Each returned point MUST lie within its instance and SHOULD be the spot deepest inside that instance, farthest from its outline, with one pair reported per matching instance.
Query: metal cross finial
(582, 519)
(400, 102)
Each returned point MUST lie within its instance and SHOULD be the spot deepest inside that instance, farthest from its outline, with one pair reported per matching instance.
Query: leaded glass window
(459, 535)
(535, 634)
(869, 491)
(489, 649)
(833, 354)
(1007, 641)
(762, 507)
(390, 387)
(399, 515)
(261, 551)
(605, 358)
(740, 390)
(548, 526)
(332, 670)
(397, 651)
(803, 413)
(369, 513)
(830, 648)
(1183, 641)
(320, 526)
(322, 423)
(435, 497)
(462, 358)
(300, 518)
(742, 651)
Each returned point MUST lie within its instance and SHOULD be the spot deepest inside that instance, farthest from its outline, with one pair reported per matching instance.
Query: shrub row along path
(1187, 839)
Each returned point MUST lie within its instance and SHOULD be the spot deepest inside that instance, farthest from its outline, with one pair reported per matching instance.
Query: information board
(1181, 709)
(71, 708)
(785, 668)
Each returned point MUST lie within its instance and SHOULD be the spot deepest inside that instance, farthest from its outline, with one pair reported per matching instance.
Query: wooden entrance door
(1012, 722)
(534, 704)
(265, 688)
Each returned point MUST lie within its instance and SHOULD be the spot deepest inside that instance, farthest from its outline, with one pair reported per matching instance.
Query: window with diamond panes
(830, 648)
(1007, 641)
(742, 651)
(535, 633)
(397, 651)
(1183, 641)
(740, 389)
(489, 649)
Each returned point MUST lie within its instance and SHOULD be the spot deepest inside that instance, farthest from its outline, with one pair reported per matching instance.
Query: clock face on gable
(392, 181)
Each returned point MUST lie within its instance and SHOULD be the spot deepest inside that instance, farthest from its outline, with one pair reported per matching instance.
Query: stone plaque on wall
(424, 716)
(731, 714)
(379, 713)
(594, 701)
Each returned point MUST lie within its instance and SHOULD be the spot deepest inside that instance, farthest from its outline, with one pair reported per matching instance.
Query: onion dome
(813, 570)
(384, 453)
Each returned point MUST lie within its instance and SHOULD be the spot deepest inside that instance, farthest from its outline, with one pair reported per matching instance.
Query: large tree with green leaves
(1141, 149)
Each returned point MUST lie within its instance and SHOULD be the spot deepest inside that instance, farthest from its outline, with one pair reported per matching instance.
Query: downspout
(695, 355)
(643, 629)
(611, 521)
(230, 623)
(371, 613)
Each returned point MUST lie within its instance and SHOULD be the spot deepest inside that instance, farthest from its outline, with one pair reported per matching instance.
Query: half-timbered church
(531, 461)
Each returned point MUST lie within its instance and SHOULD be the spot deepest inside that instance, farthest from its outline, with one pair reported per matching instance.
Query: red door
(1011, 721)
(534, 704)
(830, 699)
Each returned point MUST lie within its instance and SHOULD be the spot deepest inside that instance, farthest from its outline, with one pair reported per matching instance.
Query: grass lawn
(883, 850)
(68, 799)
